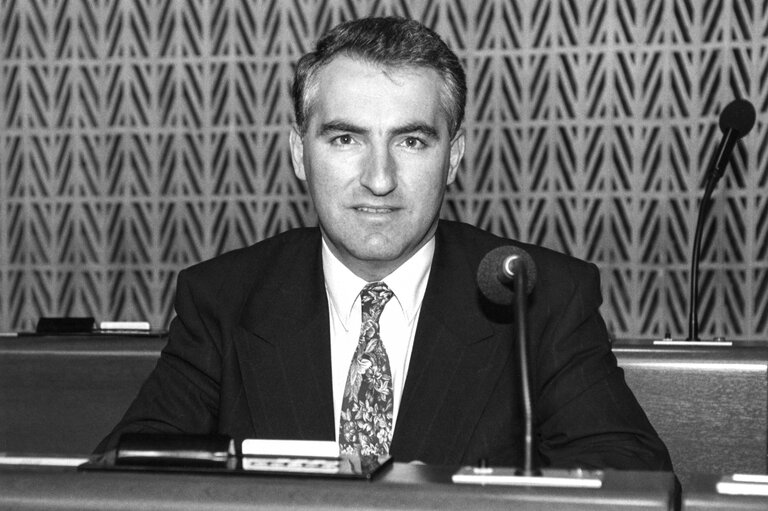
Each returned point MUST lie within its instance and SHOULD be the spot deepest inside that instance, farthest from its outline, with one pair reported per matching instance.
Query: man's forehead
(393, 72)
(363, 87)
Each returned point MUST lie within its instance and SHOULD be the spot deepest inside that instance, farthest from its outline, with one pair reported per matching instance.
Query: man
(263, 338)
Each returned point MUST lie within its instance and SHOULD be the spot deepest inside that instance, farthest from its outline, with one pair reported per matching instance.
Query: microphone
(736, 120)
(506, 275)
(497, 270)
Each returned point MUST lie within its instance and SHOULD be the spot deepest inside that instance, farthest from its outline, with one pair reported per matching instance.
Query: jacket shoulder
(233, 274)
(269, 249)
(476, 243)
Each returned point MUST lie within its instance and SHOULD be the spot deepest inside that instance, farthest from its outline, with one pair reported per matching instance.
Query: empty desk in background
(62, 395)
(709, 404)
(701, 495)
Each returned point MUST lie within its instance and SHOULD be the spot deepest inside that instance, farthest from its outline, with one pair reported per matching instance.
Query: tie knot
(373, 298)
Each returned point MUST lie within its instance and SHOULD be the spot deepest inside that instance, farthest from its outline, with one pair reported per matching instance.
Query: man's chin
(378, 260)
(383, 256)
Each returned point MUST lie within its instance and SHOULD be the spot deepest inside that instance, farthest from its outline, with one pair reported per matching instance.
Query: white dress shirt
(397, 323)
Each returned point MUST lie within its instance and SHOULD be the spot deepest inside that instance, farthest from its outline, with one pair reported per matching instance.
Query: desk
(701, 495)
(708, 404)
(402, 486)
(62, 395)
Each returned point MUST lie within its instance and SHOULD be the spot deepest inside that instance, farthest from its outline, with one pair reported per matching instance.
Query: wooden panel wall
(138, 137)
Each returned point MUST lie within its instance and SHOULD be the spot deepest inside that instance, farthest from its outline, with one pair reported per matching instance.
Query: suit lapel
(456, 360)
(284, 350)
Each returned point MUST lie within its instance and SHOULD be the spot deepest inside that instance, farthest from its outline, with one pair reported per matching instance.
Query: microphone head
(491, 279)
(739, 116)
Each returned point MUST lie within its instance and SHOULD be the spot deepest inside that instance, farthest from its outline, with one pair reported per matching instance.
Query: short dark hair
(389, 42)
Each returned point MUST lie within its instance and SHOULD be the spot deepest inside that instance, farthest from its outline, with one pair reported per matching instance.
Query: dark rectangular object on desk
(174, 450)
(65, 325)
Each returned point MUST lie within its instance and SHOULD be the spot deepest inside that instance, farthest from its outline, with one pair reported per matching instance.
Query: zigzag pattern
(139, 137)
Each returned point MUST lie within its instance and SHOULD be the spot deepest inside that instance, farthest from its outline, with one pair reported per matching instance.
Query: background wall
(139, 137)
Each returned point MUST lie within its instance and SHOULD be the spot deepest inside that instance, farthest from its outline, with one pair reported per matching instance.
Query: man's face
(377, 158)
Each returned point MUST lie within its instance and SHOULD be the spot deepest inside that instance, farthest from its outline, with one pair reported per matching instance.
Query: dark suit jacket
(249, 355)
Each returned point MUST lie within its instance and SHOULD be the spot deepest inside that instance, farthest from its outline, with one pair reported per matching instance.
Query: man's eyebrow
(338, 125)
(417, 127)
(335, 126)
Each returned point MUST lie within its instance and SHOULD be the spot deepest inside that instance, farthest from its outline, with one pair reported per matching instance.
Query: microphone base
(549, 478)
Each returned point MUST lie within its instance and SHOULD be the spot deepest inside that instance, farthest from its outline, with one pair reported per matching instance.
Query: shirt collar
(408, 283)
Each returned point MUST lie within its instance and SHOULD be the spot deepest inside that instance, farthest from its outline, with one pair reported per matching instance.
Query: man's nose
(379, 174)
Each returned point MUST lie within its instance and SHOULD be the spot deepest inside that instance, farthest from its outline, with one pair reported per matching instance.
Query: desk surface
(709, 404)
(701, 495)
(401, 486)
(83, 345)
(645, 349)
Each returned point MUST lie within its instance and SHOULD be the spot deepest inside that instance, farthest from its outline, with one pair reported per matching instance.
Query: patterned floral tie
(366, 410)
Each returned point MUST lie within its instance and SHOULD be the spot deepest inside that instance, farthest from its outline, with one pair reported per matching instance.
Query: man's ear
(457, 153)
(297, 153)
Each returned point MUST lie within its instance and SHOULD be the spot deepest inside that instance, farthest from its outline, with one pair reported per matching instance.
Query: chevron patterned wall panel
(138, 137)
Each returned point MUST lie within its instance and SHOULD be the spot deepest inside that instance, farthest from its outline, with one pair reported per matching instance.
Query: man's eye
(413, 143)
(342, 140)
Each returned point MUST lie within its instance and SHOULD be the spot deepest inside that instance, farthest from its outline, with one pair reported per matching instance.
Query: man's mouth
(368, 209)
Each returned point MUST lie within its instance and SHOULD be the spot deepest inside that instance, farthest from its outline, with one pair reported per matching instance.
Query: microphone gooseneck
(736, 120)
(502, 274)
